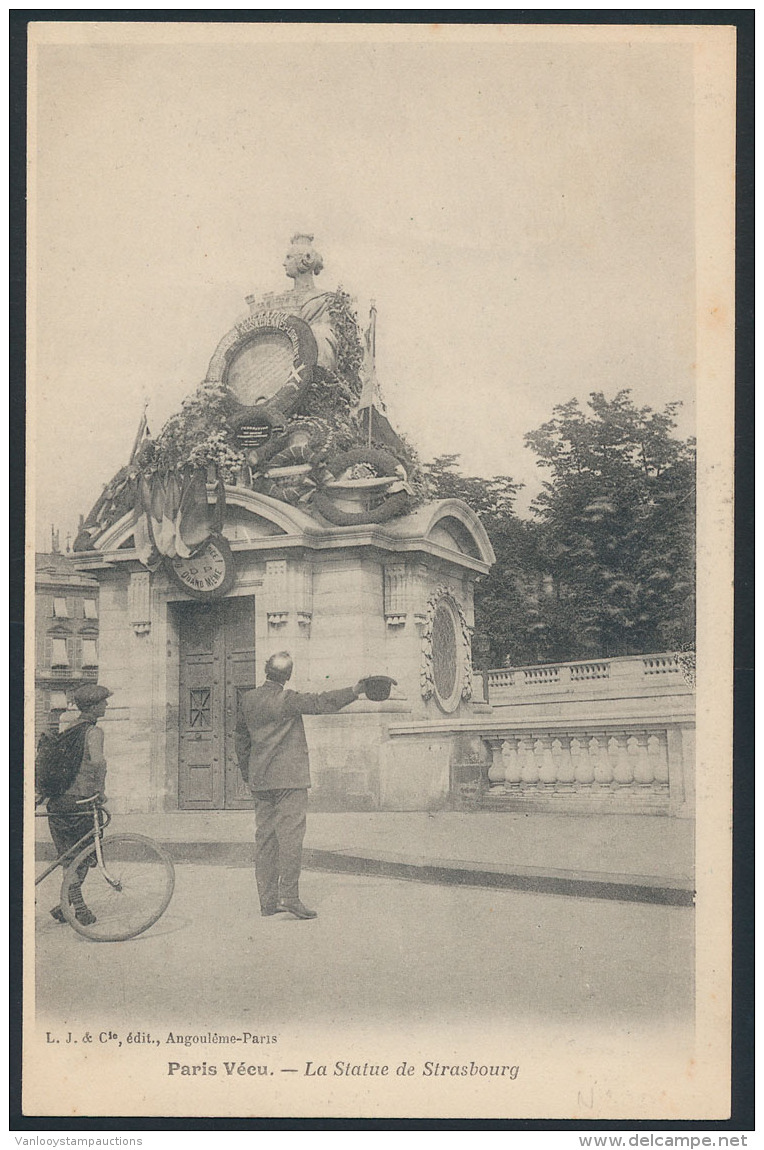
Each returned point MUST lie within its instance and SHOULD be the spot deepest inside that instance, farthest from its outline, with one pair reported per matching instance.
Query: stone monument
(273, 512)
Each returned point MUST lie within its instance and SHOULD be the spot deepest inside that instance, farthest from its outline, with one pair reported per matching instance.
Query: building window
(60, 610)
(60, 654)
(89, 653)
(91, 608)
(58, 701)
(446, 662)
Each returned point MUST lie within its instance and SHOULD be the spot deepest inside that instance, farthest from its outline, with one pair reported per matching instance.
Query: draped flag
(369, 366)
(165, 505)
(375, 424)
(142, 433)
(175, 516)
(145, 541)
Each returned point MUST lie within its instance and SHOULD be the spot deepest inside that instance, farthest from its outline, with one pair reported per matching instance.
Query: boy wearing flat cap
(68, 819)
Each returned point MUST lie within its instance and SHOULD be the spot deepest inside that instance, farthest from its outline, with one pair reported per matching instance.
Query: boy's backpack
(58, 759)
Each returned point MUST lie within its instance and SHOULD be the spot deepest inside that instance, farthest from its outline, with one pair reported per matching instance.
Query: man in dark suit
(273, 758)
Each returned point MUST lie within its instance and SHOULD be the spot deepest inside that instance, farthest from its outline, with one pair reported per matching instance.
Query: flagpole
(372, 345)
(143, 424)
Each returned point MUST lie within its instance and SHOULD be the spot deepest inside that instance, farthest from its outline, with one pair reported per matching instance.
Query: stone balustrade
(599, 766)
(594, 764)
(563, 760)
(580, 672)
(660, 665)
(625, 687)
(629, 670)
(601, 734)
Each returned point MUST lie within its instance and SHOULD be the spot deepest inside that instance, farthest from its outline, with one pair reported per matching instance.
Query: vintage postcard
(379, 665)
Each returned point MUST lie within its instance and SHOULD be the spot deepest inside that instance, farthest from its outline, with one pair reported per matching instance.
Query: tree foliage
(505, 600)
(605, 566)
(617, 518)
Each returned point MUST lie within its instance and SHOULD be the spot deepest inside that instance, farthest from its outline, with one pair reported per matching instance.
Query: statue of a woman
(302, 263)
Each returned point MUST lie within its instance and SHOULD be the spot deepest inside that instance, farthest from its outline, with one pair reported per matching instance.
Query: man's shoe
(58, 914)
(84, 915)
(266, 910)
(297, 908)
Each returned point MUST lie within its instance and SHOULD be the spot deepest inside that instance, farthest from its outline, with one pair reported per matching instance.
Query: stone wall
(356, 766)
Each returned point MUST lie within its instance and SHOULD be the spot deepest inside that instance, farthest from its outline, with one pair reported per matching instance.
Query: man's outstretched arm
(323, 703)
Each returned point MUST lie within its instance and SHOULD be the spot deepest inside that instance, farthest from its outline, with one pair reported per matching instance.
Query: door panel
(239, 639)
(217, 661)
(200, 706)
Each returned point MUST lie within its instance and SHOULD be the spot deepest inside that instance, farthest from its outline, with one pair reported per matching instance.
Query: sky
(521, 212)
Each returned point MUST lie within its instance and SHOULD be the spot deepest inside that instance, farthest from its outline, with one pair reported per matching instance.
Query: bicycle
(131, 878)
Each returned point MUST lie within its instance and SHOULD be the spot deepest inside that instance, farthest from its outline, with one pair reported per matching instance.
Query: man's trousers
(280, 818)
(68, 824)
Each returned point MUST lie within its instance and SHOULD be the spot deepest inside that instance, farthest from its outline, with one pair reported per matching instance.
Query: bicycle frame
(92, 836)
(138, 877)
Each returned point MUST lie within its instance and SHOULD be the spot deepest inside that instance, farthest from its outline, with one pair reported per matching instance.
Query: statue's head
(302, 257)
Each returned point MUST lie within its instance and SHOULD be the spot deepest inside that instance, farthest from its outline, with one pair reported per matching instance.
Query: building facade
(66, 635)
(344, 601)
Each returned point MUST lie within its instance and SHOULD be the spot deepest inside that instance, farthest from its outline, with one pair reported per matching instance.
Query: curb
(663, 892)
(623, 888)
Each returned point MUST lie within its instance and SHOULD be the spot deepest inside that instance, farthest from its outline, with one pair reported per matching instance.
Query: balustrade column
(623, 771)
(529, 772)
(564, 764)
(547, 766)
(601, 764)
(603, 768)
(496, 769)
(513, 769)
(583, 763)
(657, 753)
(642, 768)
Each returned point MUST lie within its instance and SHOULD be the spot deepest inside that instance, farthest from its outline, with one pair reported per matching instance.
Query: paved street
(380, 949)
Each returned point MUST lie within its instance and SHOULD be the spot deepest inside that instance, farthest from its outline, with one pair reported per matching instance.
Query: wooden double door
(217, 663)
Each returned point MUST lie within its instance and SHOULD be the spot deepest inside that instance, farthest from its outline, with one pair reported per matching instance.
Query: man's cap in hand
(377, 687)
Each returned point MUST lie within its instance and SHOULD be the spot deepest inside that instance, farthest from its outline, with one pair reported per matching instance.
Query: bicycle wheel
(127, 895)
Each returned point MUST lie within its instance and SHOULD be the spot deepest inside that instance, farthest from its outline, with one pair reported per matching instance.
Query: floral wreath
(426, 677)
(361, 462)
